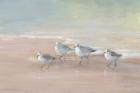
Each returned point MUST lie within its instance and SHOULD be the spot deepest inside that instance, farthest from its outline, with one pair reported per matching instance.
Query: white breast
(109, 57)
(42, 60)
(78, 52)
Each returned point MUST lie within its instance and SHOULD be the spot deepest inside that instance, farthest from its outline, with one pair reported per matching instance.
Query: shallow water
(95, 35)
(101, 36)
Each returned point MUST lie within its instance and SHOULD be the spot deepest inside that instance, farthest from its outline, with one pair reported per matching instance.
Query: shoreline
(126, 52)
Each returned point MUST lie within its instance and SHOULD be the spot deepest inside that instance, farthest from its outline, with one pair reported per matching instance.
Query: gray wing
(115, 54)
(86, 49)
(65, 47)
(47, 56)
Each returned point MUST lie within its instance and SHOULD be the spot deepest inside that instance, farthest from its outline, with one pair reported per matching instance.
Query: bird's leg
(87, 59)
(42, 66)
(115, 63)
(64, 58)
(81, 59)
(108, 64)
(48, 66)
(60, 58)
(57, 56)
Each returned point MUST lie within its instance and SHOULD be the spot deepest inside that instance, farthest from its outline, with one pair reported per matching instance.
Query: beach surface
(20, 73)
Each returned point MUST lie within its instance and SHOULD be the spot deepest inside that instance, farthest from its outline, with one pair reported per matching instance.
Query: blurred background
(101, 23)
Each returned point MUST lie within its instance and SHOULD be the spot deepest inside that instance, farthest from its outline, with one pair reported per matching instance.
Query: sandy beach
(19, 72)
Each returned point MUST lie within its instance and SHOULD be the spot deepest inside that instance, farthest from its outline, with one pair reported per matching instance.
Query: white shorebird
(45, 59)
(83, 51)
(112, 57)
(62, 49)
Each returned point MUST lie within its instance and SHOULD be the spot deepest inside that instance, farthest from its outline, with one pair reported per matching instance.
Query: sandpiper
(83, 51)
(112, 57)
(62, 49)
(45, 59)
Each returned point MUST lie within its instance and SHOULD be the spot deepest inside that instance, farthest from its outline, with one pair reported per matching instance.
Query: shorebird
(112, 57)
(62, 49)
(83, 52)
(45, 59)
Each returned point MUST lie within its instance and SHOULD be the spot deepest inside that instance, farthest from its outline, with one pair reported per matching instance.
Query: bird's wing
(115, 54)
(47, 56)
(86, 49)
(66, 47)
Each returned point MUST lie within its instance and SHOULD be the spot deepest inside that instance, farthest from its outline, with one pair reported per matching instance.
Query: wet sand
(19, 72)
